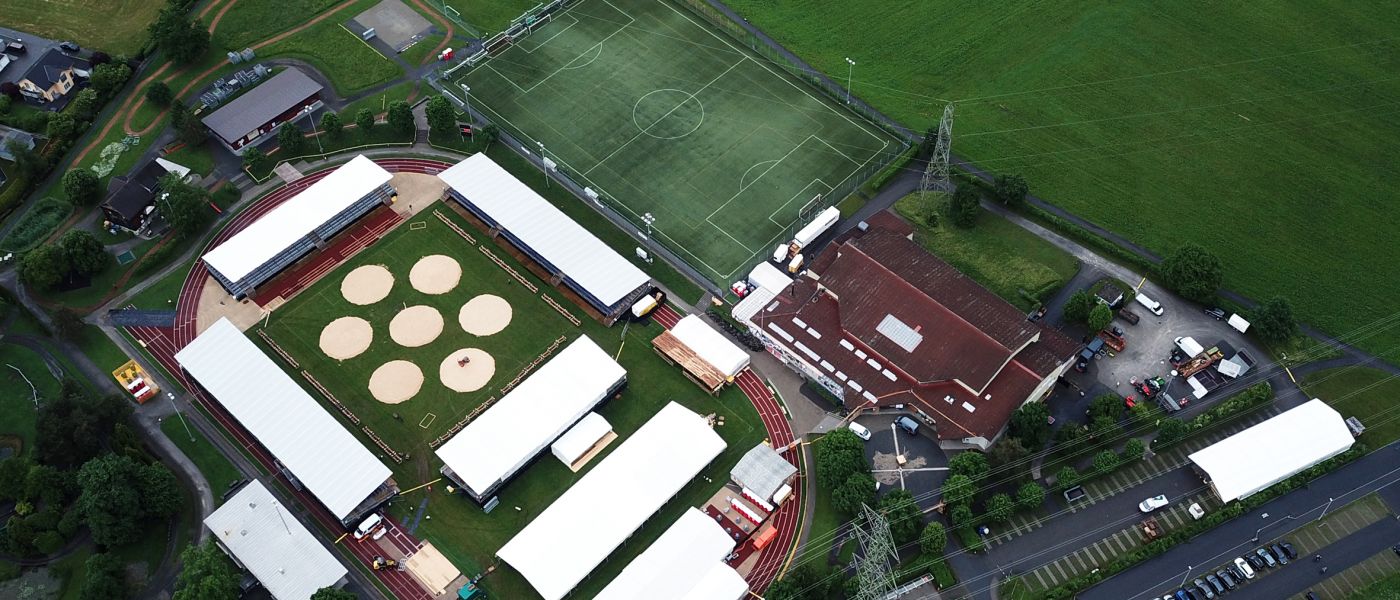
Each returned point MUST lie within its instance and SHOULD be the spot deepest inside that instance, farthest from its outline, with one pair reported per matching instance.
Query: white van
(1150, 304)
(372, 525)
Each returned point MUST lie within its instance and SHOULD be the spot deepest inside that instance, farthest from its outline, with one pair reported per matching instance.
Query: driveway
(35, 45)
(925, 466)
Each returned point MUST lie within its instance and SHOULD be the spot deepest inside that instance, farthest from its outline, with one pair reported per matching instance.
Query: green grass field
(1367, 394)
(1261, 134)
(217, 470)
(17, 410)
(1385, 589)
(640, 101)
(490, 16)
(251, 21)
(467, 536)
(114, 26)
(351, 64)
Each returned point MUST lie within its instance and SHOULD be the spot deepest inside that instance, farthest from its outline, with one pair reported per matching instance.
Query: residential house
(51, 78)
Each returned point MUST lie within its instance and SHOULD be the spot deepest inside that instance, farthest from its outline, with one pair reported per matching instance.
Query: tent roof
(319, 452)
(711, 345)
(565, 244)
(762, 470)
(591, 519)
(263, 103)
(273, 544)
(527, 420)
(1274, 450)
(767, 276)
(581, 437)
(292, 220)
(685, 563)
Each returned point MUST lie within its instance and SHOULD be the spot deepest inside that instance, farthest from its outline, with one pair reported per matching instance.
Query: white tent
(261, 242)
(269, 540)
(315, 448)
(769, 277)
(1272, 451)
(581, 438)
(685, 563)
(492, 448)
(711, 345)
(590, 520)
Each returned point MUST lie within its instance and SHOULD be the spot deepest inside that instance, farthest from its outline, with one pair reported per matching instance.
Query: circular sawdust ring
(346, 337)
(435, 274)
(366, 285)
(468, 376)
(415, 326)
(484, 315)
(395, 381)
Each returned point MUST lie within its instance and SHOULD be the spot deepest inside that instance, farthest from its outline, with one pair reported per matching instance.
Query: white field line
(544, 41)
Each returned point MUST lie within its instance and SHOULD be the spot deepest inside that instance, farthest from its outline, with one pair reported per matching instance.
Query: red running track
(780, 434)
(163, 343)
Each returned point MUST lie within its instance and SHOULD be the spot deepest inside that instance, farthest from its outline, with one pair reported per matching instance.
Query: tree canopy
(206, 574)
(858, 489)
(806, 582)
(400, 117)
(1030, 495)
(104, 578)
(1031, 425)
(1100, 316)
(182, 38)
(1193, 272)
(933, 539)
(330, 123)
(442, 118)
(971, 463)
(85, 253)
(330, 593)
(159, 94)
(43, 267)
(958, 489)
(119, 494)
(1000, 507)
(964, 205)
(1273, 320)
(72, 427)
(290, 138)
(838, 455)
(1078, 306)
(81, 186)
(903, 515)
(108, 79)
(1011, 190)
(185, 206)
(364, 120)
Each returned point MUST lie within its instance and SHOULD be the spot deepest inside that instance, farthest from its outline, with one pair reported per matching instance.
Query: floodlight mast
(850, 70)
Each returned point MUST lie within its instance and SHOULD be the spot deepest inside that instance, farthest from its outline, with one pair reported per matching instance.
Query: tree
(43, 267)
(858, 489)
(206, 574)
(254, 160)
(487, 134)
(330, 593)
(1100, 316)
(1008, 451)
(364, 121)
(183, 39)
(10, 89)
(971, 463)
(100, 58)
(5, 103)
(1273, 320)
(963, 205)
(1105, 461)
(1011, 190)
(85, 105)
(62, 126)
(807, 582)
(159, 94)
(1170, 431)
(46, 484)
(1133, 449)
(400, 117)
(933, 539)
(1031, 425)
(104, 578)
(961, 516)
(108, 79)
(1030, 495)
(330, 123)
(71, 428)
(111, 499)
(86, 255)
(1104, 428)
(1105, 405)
(13, 472)
(838, 455)
(1193, 272)
(192, 132)
(1078, 306)
(160, 492)
(290, 138)
(81, 186)
(184, 205)
(958, 489)
(1067, 477)
(442, 118)
(999, 507)
(903, 515)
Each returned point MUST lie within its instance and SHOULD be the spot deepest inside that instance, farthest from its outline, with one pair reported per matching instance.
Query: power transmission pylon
(877, 553)
(936, 174)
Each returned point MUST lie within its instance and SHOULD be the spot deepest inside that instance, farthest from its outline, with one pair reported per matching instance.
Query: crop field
(113, 26)
(1265, 134)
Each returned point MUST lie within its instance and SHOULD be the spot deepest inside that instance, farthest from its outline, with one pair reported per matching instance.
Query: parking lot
(35, 46)
(925, 466)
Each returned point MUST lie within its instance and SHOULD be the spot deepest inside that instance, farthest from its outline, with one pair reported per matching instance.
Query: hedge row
(1252, 397)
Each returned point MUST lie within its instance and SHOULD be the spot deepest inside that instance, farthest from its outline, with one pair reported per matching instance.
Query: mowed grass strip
(1367, 394)
(1265, 136)
(350, 63)
(17, 409)
(113, 26)
(251, 21)
(217, 470)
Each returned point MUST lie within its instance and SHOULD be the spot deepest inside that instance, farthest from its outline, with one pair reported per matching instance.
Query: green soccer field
(640, 101)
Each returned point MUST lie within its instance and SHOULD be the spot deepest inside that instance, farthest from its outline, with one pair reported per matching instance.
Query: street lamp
(850, 70)
(1326, 508)
(544, 166)
(649, 219)
(180, 414)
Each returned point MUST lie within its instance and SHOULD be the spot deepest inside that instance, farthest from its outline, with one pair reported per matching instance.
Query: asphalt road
(1302, 575)
(1377, 471)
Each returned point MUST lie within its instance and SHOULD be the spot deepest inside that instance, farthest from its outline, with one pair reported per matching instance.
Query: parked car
(1204, 589)
(1246, 570)
(372, 525)
(1311, 596)
(860, 430)
(1266, 557)
(1215, 583)
(1150, 304)
(1288, 549)
(1074, 494)
(1182, 595)
(1279, 554)
(15, 49)
(1255, 561)
(1216, 313)
(1224, 576)
(68, 47)
(909, 425)
(1153, 503)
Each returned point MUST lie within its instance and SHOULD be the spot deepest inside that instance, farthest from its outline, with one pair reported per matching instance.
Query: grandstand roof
(685, 563)
(558, 239)
(591, 519)
(318, 451)
(292, 220)
(527, 420)
(276, 548)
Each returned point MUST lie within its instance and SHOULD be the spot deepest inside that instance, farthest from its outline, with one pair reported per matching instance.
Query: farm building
(296, 227)
(266, 538)
(255, 116)
(761, 473)
(318, 453)
(561, 546)
(1250, 461)
(579, 443)
(707, 357)
(879, 321)
(685, 563)
(602, 281)
(132, 198)
(491, 449)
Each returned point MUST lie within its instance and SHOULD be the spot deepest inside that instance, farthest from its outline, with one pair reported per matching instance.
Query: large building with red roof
(879, 321)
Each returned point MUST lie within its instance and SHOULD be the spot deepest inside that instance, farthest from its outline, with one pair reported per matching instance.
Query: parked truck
(1114, 339)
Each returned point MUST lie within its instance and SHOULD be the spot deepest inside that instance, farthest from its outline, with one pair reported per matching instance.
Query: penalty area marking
(556, 34)
(566, 66)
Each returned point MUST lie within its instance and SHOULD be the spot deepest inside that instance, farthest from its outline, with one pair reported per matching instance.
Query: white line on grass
(742, 188)
(556, 34)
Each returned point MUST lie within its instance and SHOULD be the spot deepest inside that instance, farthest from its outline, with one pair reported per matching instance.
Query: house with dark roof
(11, 138)
(880, 322)
(51, 78)
(255, 116)
(131, 198)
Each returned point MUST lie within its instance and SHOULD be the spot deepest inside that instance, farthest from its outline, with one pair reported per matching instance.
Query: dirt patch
(215, 302)
(417, 191)
(395, 381)
(415, 326)
(435, 275)
(484, 315)
(886, 468)
(346, 337)
(366, 285)
(467, 370)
